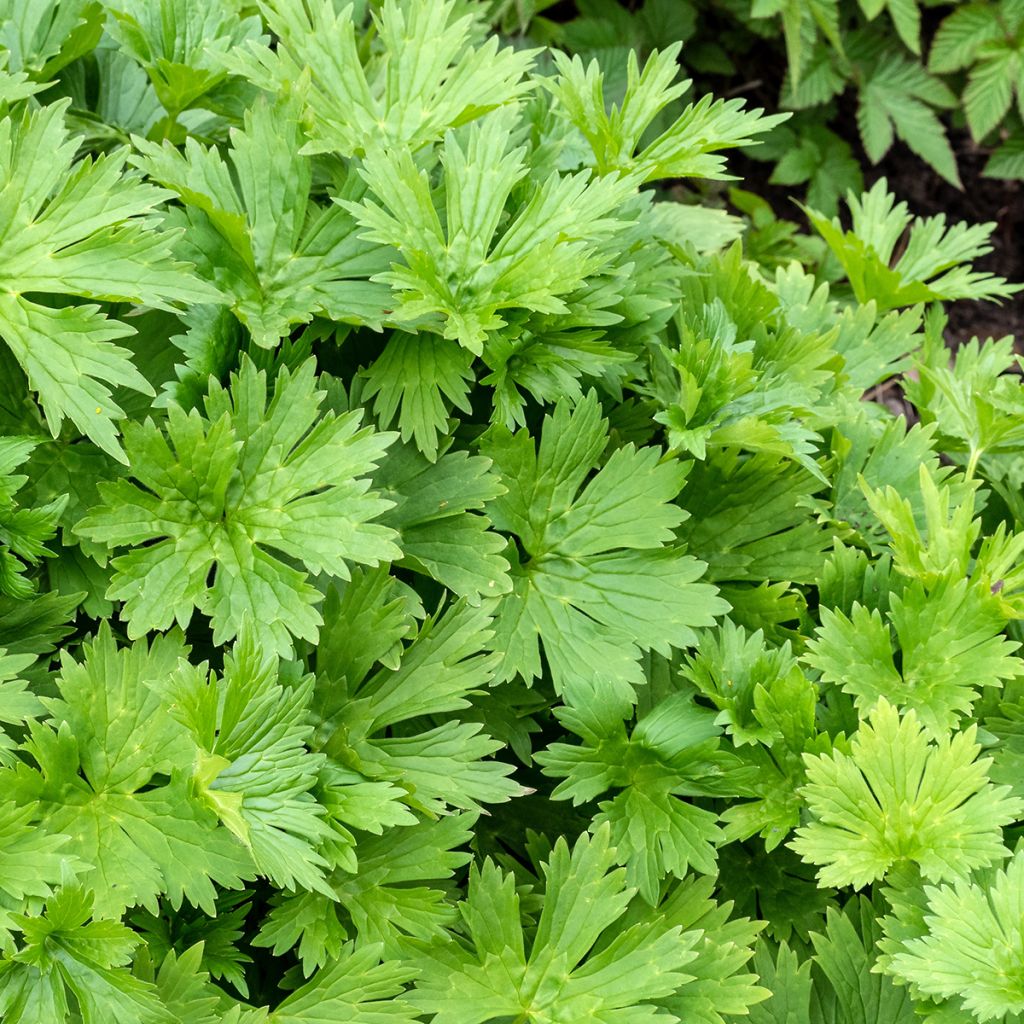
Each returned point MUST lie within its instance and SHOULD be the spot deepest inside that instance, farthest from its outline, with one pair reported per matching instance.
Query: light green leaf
(898, 797)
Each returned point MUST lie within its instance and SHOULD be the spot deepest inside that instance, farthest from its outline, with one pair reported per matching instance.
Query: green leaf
(961, 620)
(671, 752)
(934, 263)
(427, 76)
(976, 405)
(897, 99)
(419, 378)
(897, 797)
(253, 231)
(603, 580)
(438, 767)
(396, 892)
(990, 90)
(436, 514)
(905, 16)
(553, 978)
(971, 947)
(252, 480)
(109, 773)
(532, 261)
(253, 768)
(180, 44)
(748, 519)
(43, 36)
(960, 35)
(69, 961)
(356, 988)
(685, 149)
(78, 232)
(24, 532)
(844, 953)
(789, 982)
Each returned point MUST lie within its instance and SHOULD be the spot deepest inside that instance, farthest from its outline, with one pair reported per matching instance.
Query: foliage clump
(451, 570)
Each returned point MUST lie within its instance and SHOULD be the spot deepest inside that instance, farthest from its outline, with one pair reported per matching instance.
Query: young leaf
(252, 476)
(934, 263)
(532, 261)
(971, 949)
(253, 768)
(552, 977)
(685, 149)
(671, 752)
(253, 231)
(428, 75)
(898, 797)
(71, 966)
(179, 43)
(108, 771)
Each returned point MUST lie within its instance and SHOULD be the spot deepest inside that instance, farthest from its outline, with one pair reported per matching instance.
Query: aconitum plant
(445, 577)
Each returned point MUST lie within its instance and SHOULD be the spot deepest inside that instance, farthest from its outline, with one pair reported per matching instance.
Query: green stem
(972, 463)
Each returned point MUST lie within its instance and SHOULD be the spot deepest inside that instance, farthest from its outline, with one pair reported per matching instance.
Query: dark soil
(983, 200)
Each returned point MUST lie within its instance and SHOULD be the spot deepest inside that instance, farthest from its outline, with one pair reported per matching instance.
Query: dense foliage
(444, 578)
(912, 72)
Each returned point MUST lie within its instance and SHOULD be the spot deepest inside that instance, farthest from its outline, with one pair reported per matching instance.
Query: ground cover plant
(934, 76)
(445, 578)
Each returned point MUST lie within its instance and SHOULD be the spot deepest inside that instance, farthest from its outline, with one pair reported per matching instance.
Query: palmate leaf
(438, 516)
(397, 892)
(108, 771)
(672, 752)
(426, 77)
(532, 261)
(253, 768)
(78, 231)
(897, 797)
(33, 862)
(688, 148)
(252, 230)
(420, 379)
(219, 938)
(855, 992)
(179, 43)
(748, 519)
(356, 988)
(24, 532)
(602, 579)
(43, 36)
(124, 103)
(363, 724)
(972, 947)
(977, 403)
(789, 982)
(70, 967)
(934, 263)
(254, 478)
(720, 985)
(18, 703)
(746, 373)
(960, 619)
(553, 979)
